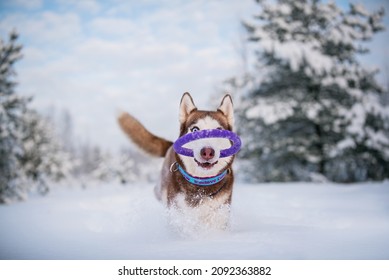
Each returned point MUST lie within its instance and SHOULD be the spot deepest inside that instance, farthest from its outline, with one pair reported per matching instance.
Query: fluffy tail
(147, 141)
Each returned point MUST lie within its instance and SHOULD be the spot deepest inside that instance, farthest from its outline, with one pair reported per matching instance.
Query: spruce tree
(44, 159)
(12, 110)
(30, 154)
(315, 111)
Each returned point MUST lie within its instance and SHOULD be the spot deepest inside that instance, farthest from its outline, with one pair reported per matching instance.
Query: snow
(271, 111)
(269, 221)
(342, 145)
(360, 9)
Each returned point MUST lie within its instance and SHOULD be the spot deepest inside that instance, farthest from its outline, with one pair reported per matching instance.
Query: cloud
(113, 27)
(45, 29)
(86, 6)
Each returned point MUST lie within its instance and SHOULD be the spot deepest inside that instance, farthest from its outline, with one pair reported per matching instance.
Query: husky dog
(174, 189)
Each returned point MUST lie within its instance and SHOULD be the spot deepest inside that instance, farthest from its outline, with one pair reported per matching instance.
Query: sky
(96, 58)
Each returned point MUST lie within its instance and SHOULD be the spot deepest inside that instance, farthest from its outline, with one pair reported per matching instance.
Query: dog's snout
(207, 153)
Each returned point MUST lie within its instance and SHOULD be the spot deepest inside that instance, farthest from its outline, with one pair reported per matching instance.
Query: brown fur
(172, 183)
(150, 143)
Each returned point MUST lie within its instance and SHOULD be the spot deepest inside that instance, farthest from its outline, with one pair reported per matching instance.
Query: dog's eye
(194, 129)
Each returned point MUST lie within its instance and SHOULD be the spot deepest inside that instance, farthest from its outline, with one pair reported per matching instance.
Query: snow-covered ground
(269, 221)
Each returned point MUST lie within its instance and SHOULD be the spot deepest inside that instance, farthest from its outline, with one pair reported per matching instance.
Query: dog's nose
(207, 153)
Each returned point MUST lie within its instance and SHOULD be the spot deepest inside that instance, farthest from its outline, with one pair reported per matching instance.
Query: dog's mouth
(205, 165)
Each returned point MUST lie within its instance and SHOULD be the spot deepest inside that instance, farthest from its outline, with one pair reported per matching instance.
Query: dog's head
(206, 161)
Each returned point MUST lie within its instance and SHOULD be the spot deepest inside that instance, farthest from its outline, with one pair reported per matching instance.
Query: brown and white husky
(173, 189)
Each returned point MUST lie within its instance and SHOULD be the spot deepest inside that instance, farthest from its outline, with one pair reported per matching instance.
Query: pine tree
(12, 110)
(30, 154)
(316, 110)
(126, 166)
(44, 160)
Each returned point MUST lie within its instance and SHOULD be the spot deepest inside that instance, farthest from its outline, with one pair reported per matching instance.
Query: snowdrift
(269, 221)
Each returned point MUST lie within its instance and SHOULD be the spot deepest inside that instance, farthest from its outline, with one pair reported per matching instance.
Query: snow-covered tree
(120, 168)
(126, 166)
(44, 159)
(66, 132)
(89, 159)
(30, 154)
(315, 111)
(12, 110)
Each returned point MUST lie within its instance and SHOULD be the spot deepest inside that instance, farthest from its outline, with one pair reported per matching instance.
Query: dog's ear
(227, 108)
(186, 106)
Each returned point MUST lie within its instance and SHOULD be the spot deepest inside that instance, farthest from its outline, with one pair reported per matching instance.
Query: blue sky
(94, 58)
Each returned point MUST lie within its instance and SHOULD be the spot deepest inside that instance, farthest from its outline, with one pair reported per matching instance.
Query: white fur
(217, 144)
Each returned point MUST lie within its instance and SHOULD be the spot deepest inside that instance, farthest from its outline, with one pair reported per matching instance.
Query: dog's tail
(147, 141)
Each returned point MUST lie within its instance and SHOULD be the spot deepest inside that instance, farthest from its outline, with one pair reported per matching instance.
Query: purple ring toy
(208, 133)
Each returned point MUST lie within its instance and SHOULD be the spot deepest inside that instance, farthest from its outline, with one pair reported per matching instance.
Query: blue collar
(202, 181)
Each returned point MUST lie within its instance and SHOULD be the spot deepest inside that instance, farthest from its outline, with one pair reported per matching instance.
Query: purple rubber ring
(208, 133)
